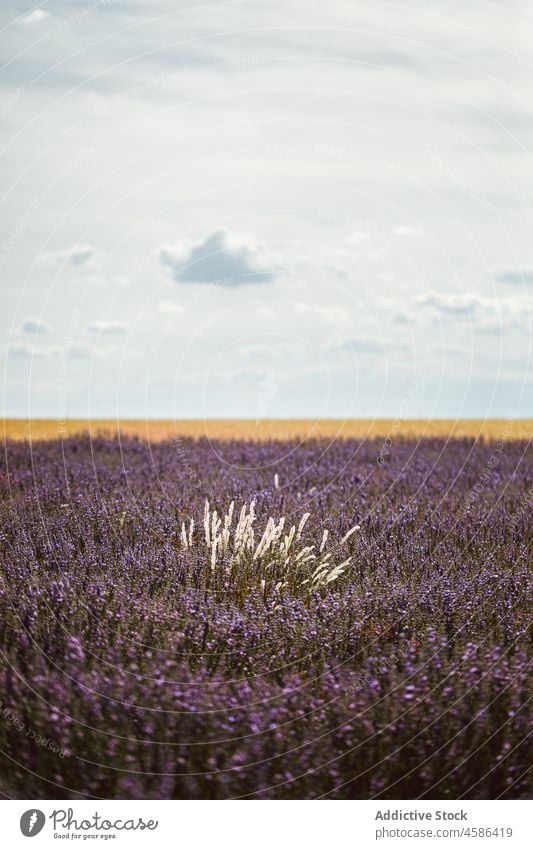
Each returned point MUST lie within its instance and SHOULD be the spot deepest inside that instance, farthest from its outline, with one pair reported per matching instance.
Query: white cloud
(29, 351)
(34, 325)
(515, 276)
(268, 150)
(452, 304)
(24, 350)
(171, 308)
(221, 258)
(76, 255)
(77, 351)
(107, 327)
(355, 344)
(35, 16)
(487, 314)
(406, 231)
(83, 351)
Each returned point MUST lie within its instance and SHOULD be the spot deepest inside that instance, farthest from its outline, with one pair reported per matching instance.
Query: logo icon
(32, 822)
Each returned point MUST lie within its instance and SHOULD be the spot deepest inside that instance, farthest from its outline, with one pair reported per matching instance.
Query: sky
(266, 209)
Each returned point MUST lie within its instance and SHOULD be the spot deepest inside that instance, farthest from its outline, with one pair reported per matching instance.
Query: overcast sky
(266, 208)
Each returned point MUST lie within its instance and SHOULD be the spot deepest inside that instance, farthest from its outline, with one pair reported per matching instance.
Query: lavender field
(339, 620)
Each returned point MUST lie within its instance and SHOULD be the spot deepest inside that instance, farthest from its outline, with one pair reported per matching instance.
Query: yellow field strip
(268, 429)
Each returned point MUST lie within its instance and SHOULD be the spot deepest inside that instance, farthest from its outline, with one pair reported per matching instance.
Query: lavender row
(215, 620)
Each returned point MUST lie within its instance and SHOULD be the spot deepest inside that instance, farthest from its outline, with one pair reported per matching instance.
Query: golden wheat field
(155, 430)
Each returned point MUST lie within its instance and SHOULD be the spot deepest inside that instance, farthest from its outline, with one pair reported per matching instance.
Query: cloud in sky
(34, 325)
(223, 258)
(452, 304)
(404, 230)
(356, 344)
(106, 327)
(323, 145)
(171, 308)
(515, 276)
(35, 16)
(484, 313)
(79, 351)
(24, 350)
(76, 255)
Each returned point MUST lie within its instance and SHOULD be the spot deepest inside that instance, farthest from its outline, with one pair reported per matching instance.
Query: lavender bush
(327, 625)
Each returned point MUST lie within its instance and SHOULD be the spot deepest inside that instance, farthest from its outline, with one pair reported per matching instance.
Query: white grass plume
(277, 561)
